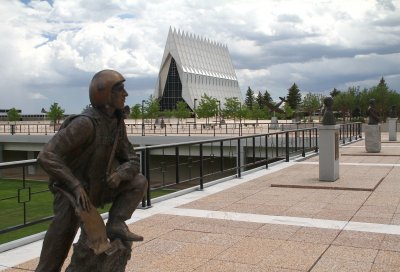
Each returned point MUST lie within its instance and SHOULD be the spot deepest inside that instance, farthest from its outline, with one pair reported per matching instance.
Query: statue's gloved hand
(82, 198)
(114, 180)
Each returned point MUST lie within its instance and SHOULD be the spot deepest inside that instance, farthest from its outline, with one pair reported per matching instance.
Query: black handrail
(197, 163)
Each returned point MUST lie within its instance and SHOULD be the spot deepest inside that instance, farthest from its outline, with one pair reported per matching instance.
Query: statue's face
(118, 94)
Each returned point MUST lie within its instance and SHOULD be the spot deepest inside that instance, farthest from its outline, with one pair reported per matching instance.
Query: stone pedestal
(85, 260)
(392, 123)
(328, 152)
(274, 122)
(372, 138)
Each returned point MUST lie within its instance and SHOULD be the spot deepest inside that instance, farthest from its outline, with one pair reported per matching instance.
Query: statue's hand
(114, 180)
(82, 198)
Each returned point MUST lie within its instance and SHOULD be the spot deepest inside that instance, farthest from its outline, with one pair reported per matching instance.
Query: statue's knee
(140, 182)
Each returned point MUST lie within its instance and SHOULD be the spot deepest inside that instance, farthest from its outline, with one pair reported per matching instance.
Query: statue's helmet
(101, 86)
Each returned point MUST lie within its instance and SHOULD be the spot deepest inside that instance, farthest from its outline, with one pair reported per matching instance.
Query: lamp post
(194, 111)
(240, 117)
(216, 114)
(143, 117)
(219, 111)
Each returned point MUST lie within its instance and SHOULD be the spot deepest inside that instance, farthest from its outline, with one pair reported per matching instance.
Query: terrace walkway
(279, 219)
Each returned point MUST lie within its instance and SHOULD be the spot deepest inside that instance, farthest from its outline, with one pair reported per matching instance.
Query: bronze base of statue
(84, 259)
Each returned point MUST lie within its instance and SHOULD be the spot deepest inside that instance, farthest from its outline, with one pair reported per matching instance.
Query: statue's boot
(122, 209)
(118, 229)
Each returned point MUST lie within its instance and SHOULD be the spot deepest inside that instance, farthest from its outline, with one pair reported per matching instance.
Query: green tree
(13, 115)
(168, 113)
(207, 108)
(311, 103)
(152, 108)
(334, 92)
(245, 112)
(345, 102)
(289, 112)
(258, 113)
(249, 101)
(267, 97)
(182, 110)
(294, 96)
(381, 95)
(231, 108)
(260, 100)
(136, 112)
(56, 113)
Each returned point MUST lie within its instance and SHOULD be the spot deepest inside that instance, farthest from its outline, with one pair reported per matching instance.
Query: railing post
(303, 154)
(316, 139)
(189, 129)
(143, 166)
(295, 141)
(355, 131)
(215, 126)
(201, 167)
(239, 159)
(351, 132)
(343, 136)
(254, 149)
(147, 165)
(221, 153)
(276, 145)
(287, 146)
(266, 151)
(177, 164)
(23, 185)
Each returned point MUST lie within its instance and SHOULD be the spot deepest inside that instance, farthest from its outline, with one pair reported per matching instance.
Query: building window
(172, 90)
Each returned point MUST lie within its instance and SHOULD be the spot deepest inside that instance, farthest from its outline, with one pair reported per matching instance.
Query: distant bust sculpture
(393, 112)
(328, 118)
(373, 117)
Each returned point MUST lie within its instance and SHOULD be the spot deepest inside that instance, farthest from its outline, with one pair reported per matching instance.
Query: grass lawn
(39, 206)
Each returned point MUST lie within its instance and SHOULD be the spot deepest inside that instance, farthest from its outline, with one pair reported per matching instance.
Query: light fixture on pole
(219, 111)
(194, 110)
(143, 117)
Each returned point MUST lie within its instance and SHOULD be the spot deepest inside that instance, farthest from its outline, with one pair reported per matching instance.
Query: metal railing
(238, 128)
(188, 129)
(172, 166)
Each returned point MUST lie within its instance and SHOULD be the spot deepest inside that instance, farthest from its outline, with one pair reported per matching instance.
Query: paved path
(297, 224)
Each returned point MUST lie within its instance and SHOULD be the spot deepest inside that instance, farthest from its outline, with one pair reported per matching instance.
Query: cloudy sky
(49, 50)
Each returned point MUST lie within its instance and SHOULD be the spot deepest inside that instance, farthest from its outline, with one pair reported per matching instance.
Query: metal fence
(167, 167)
(238, 128)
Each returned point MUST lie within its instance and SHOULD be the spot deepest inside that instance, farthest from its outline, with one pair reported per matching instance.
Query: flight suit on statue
(76, 160)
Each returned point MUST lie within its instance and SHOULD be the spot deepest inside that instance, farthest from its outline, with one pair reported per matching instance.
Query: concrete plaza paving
(276, 219)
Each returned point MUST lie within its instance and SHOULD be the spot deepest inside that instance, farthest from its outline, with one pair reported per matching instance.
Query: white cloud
(51, 51)
(36, 96)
